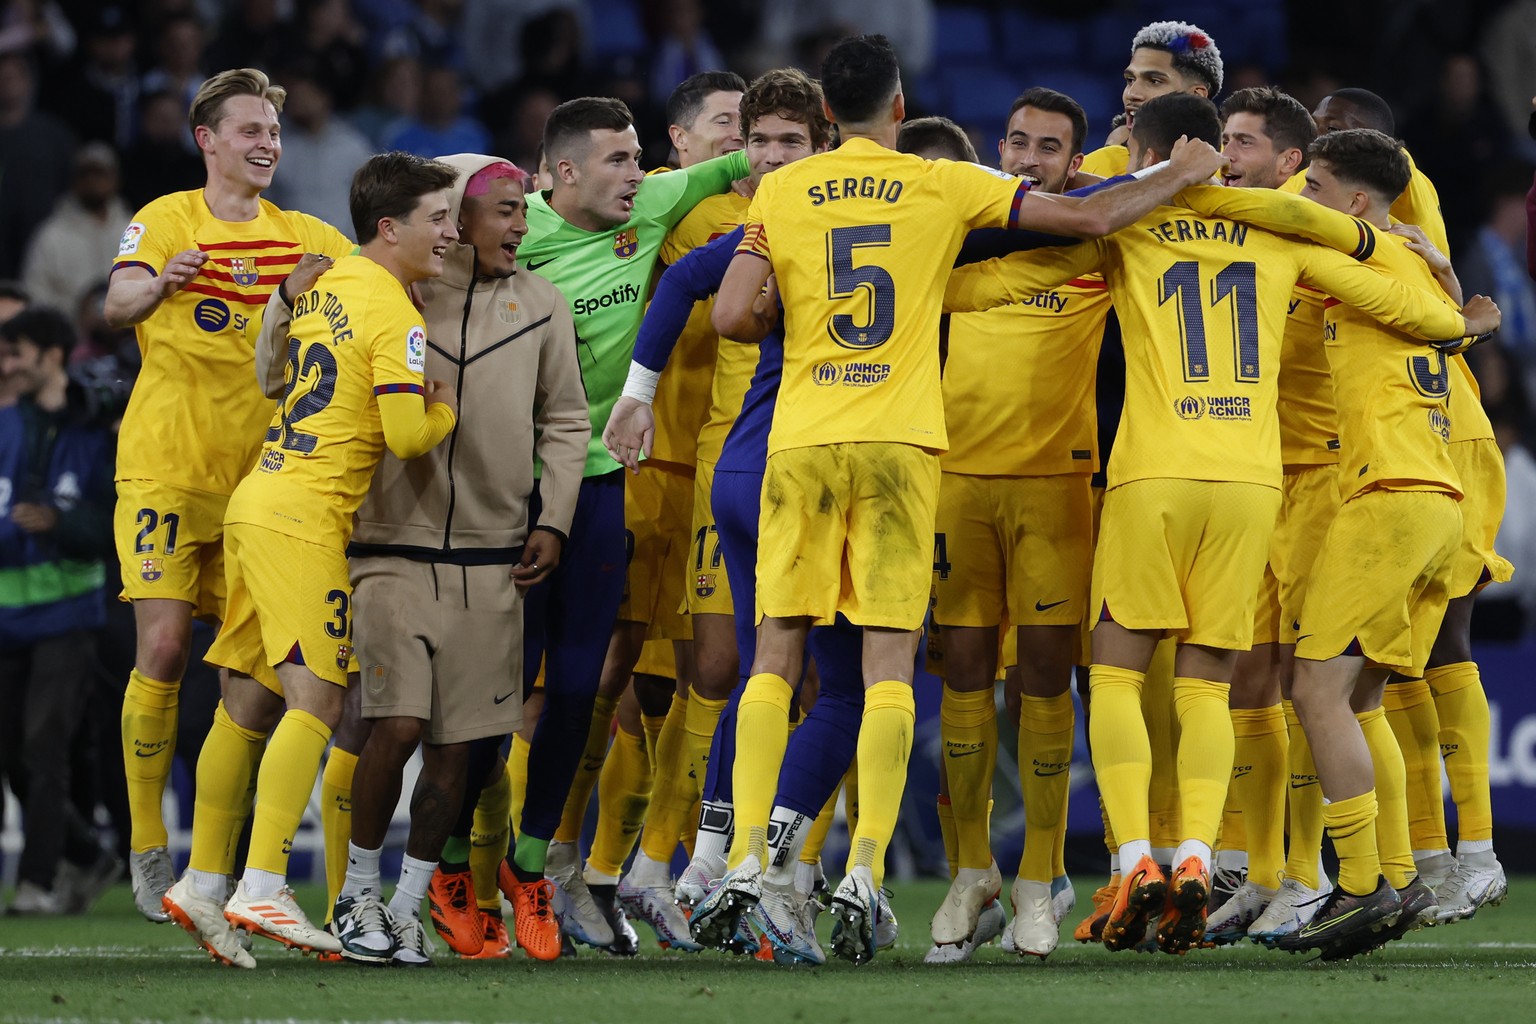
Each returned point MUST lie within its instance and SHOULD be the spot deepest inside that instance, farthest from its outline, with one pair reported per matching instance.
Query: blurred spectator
(442, 127)
(158, 162)
(180, 70)
(1505, 611)
(35, 149)
(394, 96)
(330, 42)
(1494, 265)
(57, 464)
(680, 47)
(1458, 128)
(37, 27)
(99, 96)
(254, 34)
(13, 299)
(320, 154)
(908, 24)
(1509, 53)
(520, 132)
(493, 33)
(433, 36)
(551, 46)
(79, 239)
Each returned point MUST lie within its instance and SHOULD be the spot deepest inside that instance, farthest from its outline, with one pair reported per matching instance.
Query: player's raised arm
(739, 313)
(135, 291)
(1406, 308)
(1285, 214)
(1010, 279)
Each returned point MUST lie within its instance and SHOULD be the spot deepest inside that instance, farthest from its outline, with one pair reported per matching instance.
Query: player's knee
(654, 694)
(163, 651)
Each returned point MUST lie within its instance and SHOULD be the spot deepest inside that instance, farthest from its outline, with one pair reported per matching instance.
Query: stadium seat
(981, 96)
(616, 28)
(962, 33)
(1028, 38)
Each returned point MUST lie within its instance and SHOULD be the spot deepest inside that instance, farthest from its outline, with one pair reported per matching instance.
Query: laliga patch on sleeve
(133, 234)
(416, 349)
(995, 172)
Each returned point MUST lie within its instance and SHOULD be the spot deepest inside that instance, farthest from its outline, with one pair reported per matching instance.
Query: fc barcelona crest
(151, 569)
(243, 269)
(704, 584)
(626, 244)
(508, 313)
(343, 656)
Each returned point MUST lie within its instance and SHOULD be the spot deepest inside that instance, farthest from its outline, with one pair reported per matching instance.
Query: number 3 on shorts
(341, 626)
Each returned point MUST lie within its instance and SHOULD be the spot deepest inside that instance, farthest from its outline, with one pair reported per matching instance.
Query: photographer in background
(56, 497)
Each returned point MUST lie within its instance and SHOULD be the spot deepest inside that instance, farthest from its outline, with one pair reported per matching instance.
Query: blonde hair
(208, 105)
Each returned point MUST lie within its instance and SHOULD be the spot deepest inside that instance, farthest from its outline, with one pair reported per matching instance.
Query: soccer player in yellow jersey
(191, 270)
(859, 240)
(355, 356)
(1013, 544)
(1193, 491)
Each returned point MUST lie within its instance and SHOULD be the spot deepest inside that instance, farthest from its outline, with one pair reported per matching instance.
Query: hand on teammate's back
(630, 431)
(179, 271)
(441, 393)
(1195, 160)
(1482, 315)
(1419, 242)
(306, 272)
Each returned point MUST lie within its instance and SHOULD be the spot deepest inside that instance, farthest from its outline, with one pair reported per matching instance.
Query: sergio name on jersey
(354, 337)
(196, 417)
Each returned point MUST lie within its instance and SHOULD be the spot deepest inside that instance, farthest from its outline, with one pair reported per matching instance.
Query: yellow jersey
(1107, 161)
(689, 428)
(1202, 303)
(195, 417)
(1309, 422)
(1394, 424)
(1419, 204)
(860, 240)
(1039, 417)
(355, 337)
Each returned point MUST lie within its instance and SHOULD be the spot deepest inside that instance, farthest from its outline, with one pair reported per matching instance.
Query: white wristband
(1149, 170)
(641, 383)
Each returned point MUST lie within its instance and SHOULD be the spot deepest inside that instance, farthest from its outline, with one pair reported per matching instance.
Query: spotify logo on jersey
(211, 315)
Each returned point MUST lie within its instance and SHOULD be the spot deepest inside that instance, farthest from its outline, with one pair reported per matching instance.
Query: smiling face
(422, 237)
(715, 132)
(773, 141)
(1151, 74)
(1038, 148)
(495, 222)
(603, 181)
(243, 150)
(1252, 161)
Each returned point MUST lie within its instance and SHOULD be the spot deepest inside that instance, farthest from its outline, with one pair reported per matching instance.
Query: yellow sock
(149, 744)
(652, 726)
(336, 820)
(1109, 830)
(1122, 755)
(1464, 742)
(675, 789)
(816, 838)
(885, 746)
(1411, 714)
(1349, 823)
(762, 732)
(1393, 847)
(689, 833)
(517, 773)
(623, 795)
(592, 757)
(947, 831)
(1045, 776)
(489, 838)
(1305, 804)
(225, 767)
(1164, 820)
(1261, 747)
(286, 779)
(968, 726)
(700, 721)
(1205, 755)
(851, 796)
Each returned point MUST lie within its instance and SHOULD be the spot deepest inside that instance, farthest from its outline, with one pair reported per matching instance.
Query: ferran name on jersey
(1181, 229)
(626, 243)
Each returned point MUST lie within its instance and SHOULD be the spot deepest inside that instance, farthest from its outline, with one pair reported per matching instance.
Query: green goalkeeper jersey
(606, 276)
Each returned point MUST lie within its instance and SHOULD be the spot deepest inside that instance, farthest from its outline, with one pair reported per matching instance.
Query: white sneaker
(280, 918)
(855, 904)
(412, 947)
(1237, 915)
(362, 925)
(1471, 886)
(1435, 870)
(887, 928)
(1224, 885)
(580, 917)
(34, 901)
(80, 886)
(992, 923)
(972, 889)
(1063, 897)
(1034, 930)
(657, 906)
(152, 877)
(789, 921)
(203, 919)
(1291, 909)
(717, 917)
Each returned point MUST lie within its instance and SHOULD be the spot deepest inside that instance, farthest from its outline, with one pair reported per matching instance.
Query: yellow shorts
(1480, 467)
(1309, 499)
(658, 514)
(657, 658)
(170, 544)
(1017, 549)
(1185, 557)
(1380, 586)
(848, 528)
(708, 588)
(289, 600)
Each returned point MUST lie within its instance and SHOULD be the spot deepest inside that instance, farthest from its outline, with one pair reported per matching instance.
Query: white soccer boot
(280, 918)
(1292, 908)
(1237, 915)
(203, 919)
(972, 889)
(152, 877)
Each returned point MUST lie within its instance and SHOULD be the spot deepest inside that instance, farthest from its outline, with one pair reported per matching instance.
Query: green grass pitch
(113, 965)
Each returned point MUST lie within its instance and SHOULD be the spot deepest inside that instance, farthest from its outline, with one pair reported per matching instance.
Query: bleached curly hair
(1194, 51)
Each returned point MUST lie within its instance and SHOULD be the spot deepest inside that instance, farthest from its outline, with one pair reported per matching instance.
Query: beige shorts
(442, 643)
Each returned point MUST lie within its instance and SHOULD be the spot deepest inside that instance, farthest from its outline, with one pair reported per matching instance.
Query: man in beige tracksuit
(443, 549)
